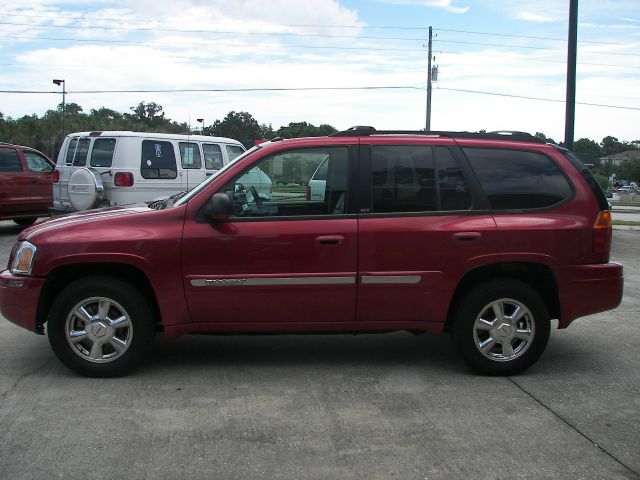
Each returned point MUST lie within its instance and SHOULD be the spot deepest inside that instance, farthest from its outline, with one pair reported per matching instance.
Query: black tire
(508, 348)
(100, 328)
(25, 222)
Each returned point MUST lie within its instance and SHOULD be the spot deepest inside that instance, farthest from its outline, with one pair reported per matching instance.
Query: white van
(96, 169)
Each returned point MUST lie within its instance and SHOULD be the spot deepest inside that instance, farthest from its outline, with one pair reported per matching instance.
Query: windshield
(204, 184)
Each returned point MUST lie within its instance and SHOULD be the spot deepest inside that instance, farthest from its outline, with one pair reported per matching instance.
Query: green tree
(588, 150)
(238, 125)
(304, 129)
(611, 145)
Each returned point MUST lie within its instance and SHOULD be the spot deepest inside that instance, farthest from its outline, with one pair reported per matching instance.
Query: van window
(190, 155)
(71, 150)
(158, 160)
(80, 160)
(9, 160)
(212, 156)
(102, 153)
(234, 151)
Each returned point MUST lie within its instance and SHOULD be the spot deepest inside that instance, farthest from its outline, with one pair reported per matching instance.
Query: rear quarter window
(518, 179)
(158, 160)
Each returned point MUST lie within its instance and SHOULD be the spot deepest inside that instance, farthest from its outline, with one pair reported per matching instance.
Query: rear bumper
(588, 289)
(19, 299)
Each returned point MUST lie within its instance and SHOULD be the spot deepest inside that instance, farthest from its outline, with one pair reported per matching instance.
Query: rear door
(420, 229)
(15, 194)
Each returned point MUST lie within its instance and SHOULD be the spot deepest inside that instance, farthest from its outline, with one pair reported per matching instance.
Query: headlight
(23, 259)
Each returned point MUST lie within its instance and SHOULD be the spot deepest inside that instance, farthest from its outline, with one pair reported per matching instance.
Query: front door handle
(330, 239)
(467, 237)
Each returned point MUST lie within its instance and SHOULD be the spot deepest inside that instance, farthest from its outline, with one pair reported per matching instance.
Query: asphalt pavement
(330, 407)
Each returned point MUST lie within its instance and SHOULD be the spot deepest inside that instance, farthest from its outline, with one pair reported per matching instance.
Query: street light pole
(201, 120)
(64, 94)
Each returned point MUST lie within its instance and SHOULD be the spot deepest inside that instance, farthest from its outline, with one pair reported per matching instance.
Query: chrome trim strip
(393, 279)
(269, 281)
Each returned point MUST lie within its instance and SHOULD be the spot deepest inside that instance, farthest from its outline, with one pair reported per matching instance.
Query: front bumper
(19, 299)
(588, 289)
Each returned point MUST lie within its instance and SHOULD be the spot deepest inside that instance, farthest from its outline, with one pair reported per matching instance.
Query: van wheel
(25, 222)
(100, 326)
(501, 327)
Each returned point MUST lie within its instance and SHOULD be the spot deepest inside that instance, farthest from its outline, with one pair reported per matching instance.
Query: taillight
(55, 176)
(602, 233)
(308, 192)
(123, 179)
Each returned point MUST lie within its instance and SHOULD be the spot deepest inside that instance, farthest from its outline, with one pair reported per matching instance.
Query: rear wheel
(100, 326)
(501, 327)
(25, 222)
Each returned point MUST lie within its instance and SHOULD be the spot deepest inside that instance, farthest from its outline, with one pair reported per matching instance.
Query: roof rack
(365, 131)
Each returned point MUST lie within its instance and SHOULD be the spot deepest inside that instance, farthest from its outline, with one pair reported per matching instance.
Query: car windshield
(206, 182)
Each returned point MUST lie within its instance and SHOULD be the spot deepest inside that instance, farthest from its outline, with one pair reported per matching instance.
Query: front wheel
(501, 327)
(100, 326)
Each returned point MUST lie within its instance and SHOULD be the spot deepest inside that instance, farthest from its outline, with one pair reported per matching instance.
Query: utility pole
(428, 122)
(570, 115)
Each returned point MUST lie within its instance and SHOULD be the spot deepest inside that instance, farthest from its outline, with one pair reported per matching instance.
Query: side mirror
(219, 207)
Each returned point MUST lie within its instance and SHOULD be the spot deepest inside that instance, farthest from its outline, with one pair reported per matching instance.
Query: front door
(279, 260)
(40, 180)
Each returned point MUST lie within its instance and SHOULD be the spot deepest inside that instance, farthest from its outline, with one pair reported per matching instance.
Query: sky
(331, 57)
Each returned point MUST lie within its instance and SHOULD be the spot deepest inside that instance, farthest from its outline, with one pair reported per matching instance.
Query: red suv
(485, 236)
(26, 190)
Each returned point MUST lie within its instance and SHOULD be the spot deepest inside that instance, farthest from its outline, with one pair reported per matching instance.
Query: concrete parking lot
(344, 407)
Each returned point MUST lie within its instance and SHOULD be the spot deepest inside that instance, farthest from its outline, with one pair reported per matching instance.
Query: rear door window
(212, 156)
(82, 150)
(518, 179)
(190, 155)
(102, 152)
(71, 151)
(158, 160)
(9, 160)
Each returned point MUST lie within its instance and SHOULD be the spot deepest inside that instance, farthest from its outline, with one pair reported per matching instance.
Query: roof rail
(363, 131)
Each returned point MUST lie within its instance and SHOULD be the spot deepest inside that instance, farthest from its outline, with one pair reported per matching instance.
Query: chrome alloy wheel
(504, 330)
(99, 330)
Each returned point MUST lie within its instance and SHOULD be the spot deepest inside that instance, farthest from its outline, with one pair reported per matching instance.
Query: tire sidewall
(123, 293)
(471, 306)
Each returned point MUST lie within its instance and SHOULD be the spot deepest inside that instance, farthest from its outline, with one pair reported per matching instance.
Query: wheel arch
(62, 276)
(539, 276)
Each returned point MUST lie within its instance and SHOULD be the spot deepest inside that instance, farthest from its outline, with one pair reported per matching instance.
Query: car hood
(86, 217)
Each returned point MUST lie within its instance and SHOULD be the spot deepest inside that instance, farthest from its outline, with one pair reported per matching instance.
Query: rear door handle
(467, 237)
(330, 240)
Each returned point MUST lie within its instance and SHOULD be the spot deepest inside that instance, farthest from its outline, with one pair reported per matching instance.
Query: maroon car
(26, 191)
(485, 236)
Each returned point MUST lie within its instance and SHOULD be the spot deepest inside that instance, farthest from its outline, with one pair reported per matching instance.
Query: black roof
(364, 131)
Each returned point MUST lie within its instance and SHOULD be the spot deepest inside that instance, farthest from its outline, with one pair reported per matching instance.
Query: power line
(172, 30)
(529, 59)
(555, 39)
(529, 47)
(216, 90)
(536, 98)
(217, 44)
(304, 89)
(240, 24)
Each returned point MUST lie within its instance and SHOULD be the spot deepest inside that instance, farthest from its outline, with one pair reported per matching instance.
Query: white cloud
(534, 17)
(444, 4)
